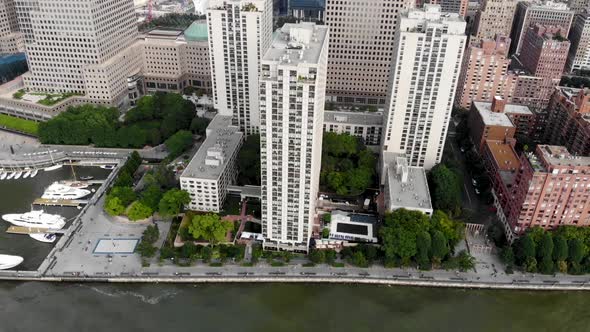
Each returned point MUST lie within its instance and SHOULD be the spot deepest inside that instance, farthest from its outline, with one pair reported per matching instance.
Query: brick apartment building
(569, 116)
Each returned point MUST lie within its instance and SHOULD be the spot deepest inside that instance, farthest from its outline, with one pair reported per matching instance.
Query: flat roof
(164, 33)
(197, 31)
(560, 156)
(222, 140)
(492, 118)
(296, 43)
(504, 155)
(408, 186)
(363, 118)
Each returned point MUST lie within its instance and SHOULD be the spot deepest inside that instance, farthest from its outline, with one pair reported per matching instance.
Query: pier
(60, 202)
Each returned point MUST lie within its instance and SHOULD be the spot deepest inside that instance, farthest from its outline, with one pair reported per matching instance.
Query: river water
(33, 306)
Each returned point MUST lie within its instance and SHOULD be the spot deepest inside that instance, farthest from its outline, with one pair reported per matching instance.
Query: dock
(59, 202)
(32, 230)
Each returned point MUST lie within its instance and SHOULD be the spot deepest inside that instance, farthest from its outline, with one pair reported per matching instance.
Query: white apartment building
(80, 46)
(427, 58)
(213, 167)
(366, 125)
(579, 52)
(292, 96)
(10, 37)
(240, 32)
(361, 45)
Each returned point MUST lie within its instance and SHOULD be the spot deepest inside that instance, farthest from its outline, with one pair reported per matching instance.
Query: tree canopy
(209, 227)
(172, 202)
(178, 143)
(445, 186)
(138, 211)
(348, 167)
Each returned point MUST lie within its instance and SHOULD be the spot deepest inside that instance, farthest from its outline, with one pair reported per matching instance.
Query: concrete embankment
(310, 279)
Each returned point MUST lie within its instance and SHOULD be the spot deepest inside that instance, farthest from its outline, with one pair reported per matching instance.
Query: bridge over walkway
(245, 191)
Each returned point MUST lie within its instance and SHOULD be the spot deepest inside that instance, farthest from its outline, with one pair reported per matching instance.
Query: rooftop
(560, 156)
(408, 186)
(297, 43)
(221, 143)
(364, 118)
(492, 118)
(418, 19)
(504, 155)
(197, 31)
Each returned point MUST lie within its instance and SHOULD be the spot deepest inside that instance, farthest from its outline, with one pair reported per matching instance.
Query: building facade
(11, 40)
(292, 97)
(494, 18)
(83, 47)
(529, 14)
(240, 32)
(361, 46)
(550, 189)
(213, 167)
(428, 53)
(579, 53)
(578, 6)
(569, 117)
(485, 73)
(366, 125)
(452, 6)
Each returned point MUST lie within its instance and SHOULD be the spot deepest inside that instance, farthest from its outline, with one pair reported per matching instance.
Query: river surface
(34, 306)
(16, 196)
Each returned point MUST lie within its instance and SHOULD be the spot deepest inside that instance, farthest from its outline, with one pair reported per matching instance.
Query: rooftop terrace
(297, 43)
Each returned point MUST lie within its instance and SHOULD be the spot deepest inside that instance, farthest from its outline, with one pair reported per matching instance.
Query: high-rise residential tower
(292, 97)
(494, 18)
(547, 13)
(240, 32)
(427, 59)
(361, 45)
(10, 37)
(80, 46)
(579, 53)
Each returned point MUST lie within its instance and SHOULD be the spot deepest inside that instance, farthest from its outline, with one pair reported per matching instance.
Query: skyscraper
(529, 14)
(292, 96)
(361, 45)
(240, 32)
(427, 59)
(494, 18)
(80, 46)
(579, 53)
(10, 37)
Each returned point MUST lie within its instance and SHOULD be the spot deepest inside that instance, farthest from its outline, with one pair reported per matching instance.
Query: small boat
(9, 261)
(27, 174)
(52, 168)
(44, 237)
(86, 178)
(3, 176)
(34, 173)
(107, 166)
(18, 175)
(10, 175)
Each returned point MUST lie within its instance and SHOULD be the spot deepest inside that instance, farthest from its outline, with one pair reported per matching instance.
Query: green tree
(151, 196)
(146, 249)
(330, 256)
(399, 233)
(113, 206)
(452, 230)
(466, 261)
(124, 179)
(126, 195)
(317, 256)
(445, 189)
(576, 251)
(527, 248)
(151, 234)
(249, 161)
(439, 248)
(560, 253)
(137, 211)
(507, 256)
(530, 264)
(199, 125)
(358, 259)
(179, 142)
(172, 202)
(206, 254)
(545, 253)
(423, 245)
(209, 227)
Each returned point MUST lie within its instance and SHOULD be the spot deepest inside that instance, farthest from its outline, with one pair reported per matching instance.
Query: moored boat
(44, 237)
(36, 219)
(86, 178)
(34, 173)
(10, 175)
(3, 175)
(18, 175)
(62, 191)
(9, 261)
(26, 174)
(52, 168)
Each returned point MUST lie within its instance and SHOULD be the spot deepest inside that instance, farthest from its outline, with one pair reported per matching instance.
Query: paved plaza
(116, 246)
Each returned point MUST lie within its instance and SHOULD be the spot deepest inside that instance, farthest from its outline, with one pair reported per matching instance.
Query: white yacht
(34, 173)
(52, 168)
(27, 174)
(18, 175)
(38, 219)
(9, 261)
(107, 166)
(10, 175)
(44, 237)
(62, 191)
(3, 175)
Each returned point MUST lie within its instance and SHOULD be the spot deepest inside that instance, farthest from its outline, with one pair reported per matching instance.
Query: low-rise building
(213, 167)
(366, 125)
(404, 186)
(498, 121)
(353, 227)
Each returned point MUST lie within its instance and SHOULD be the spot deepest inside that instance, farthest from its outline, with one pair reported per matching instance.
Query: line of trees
(153, 120)
(564, 250)
(348, 167)
(445, 185)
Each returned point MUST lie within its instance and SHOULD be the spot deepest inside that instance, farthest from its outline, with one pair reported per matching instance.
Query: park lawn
(18, 124)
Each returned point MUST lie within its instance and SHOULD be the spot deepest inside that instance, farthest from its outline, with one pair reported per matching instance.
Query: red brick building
(569, 117)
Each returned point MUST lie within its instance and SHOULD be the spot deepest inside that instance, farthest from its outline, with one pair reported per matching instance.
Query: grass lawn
(26, 126)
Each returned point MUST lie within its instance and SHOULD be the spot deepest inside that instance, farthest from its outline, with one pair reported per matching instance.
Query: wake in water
(144, 298)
